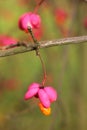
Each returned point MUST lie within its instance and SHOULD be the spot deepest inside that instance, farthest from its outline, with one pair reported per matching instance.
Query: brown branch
(22, 47)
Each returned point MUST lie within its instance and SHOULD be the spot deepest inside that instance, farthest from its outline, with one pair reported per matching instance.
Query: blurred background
(66, 67)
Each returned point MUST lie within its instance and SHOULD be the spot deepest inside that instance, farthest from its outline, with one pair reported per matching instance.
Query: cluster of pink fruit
(28, 19)
(34, 21)
(46, 95)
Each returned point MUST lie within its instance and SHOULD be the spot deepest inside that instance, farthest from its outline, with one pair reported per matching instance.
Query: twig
(43, 44)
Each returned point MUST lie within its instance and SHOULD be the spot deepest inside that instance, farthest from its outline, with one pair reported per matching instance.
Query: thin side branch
(20, 48)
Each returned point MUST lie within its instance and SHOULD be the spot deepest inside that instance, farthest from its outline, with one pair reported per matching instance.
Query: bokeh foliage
(66, 68)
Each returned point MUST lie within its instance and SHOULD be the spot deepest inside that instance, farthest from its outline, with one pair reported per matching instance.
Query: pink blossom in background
(7, 40)
(46, 95)
(22, 2)
(38, 33)
(29, 19)
(60, 16)
(85, 22)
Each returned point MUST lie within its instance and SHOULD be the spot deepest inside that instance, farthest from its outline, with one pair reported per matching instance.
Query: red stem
(38, 5)
(43, 67)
